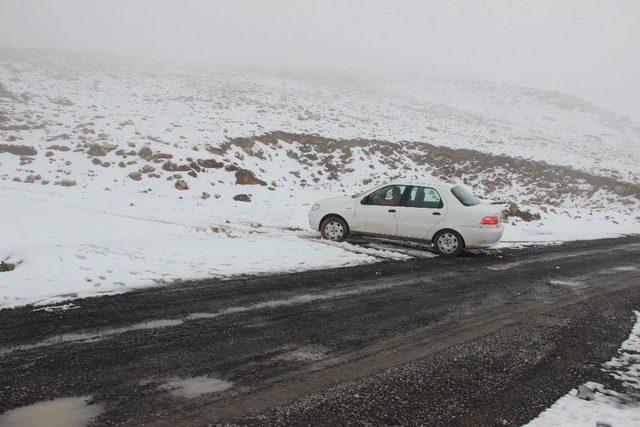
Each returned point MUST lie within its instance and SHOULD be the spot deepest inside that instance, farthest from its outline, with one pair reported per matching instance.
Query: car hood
(338, 200)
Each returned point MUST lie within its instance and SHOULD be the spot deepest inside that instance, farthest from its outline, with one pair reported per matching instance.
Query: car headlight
(315, 207)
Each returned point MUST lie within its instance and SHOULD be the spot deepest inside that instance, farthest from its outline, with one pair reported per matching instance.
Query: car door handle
(436, 213)
(392, 210)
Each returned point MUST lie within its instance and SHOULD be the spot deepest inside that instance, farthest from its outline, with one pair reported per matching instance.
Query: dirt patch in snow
(7, 266)
(247, 177)
(526, 215)
(18, 150)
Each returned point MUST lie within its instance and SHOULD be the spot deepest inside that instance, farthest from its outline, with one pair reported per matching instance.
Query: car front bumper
(314, 219)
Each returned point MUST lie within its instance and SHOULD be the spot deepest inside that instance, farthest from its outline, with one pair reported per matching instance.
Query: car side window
(424, 197)
(390, 195)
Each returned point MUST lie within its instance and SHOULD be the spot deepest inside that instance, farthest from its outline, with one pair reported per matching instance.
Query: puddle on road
(195, 386)
(65, 412)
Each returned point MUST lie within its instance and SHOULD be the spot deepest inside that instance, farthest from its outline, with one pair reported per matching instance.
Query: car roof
(443, 185)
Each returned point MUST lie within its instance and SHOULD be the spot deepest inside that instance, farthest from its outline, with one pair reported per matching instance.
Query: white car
(448, 216)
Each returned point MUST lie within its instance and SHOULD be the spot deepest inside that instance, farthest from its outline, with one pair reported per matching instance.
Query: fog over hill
(581, 47)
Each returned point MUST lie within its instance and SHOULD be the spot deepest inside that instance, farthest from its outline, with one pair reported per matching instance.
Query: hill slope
(118, 174)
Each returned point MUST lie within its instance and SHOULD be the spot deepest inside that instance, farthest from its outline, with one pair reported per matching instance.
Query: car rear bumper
(483, 237)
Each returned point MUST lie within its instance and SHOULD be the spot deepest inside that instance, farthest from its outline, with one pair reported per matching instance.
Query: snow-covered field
(594, 404)
(116, 175)
(86, 245)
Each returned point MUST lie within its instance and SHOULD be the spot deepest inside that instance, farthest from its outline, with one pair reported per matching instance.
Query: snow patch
(566, 283)
(53, 308)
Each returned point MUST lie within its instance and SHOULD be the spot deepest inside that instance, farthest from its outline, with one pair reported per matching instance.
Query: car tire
(448, 242)
(334, 228)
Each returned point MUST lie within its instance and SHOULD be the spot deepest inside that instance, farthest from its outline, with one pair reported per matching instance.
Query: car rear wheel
(334, 228)
(448, 242)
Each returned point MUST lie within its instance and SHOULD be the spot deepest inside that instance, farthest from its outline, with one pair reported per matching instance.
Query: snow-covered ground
(594, 404)
(106, 243)
(76, 247)
(116, 175)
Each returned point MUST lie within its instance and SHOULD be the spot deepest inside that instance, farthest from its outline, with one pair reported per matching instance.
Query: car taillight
(490, 220)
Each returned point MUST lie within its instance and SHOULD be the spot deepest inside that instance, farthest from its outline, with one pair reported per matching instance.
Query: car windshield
(465, 197)
(362, 193)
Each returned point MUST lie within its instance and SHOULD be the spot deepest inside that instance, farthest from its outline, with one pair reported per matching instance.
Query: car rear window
(465, 197)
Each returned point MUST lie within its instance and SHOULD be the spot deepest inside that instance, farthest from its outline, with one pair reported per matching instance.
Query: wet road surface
(484, 339)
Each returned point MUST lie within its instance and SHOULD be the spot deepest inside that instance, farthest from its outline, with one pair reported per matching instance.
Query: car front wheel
(448, 242)
(334, 228)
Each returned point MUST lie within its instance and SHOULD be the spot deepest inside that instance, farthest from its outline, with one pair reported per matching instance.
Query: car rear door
(423, 209)
(378, 212)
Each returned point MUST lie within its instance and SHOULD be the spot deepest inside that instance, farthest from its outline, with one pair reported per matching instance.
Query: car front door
(423, 209)
(378, 212)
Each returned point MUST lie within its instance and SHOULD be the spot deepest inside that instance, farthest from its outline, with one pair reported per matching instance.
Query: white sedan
(448, 216)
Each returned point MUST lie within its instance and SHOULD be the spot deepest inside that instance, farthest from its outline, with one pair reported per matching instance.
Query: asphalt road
(484, 339)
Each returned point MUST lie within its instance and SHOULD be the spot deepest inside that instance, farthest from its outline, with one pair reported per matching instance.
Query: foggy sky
(584, 47)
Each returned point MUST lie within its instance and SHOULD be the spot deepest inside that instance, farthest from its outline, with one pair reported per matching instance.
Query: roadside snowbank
(562, 228)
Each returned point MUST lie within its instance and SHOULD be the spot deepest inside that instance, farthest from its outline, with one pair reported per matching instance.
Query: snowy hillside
(116, 175)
